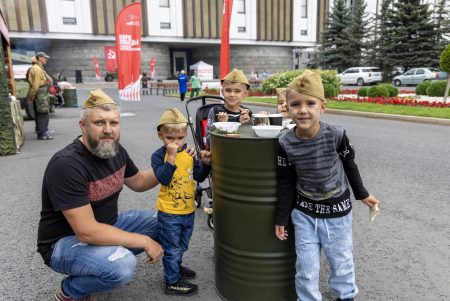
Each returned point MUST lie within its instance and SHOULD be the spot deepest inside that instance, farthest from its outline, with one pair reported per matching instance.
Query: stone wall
(257, 59)
(70, 55)
(66, 56)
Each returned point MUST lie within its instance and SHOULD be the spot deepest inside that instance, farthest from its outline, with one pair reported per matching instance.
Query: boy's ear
(323, 107)
(160, 135)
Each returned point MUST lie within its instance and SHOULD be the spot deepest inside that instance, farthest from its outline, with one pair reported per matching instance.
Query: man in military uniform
(38, 94)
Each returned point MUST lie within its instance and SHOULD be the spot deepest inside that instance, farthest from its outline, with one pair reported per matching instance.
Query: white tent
(204, 70)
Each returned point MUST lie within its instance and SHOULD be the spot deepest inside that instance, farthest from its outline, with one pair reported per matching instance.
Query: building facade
(266, 36)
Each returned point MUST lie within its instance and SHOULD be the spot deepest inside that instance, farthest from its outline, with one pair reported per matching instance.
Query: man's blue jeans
(93, 268)
(334, 236)
(175, 234)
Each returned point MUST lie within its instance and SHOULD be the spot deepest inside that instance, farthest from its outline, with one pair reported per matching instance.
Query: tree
(413, 35)
(330, 55)
(442, 23)
(444, 64)
(355, 34)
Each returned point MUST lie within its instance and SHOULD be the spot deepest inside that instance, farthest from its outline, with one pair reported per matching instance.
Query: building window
(164, 25)
(164, 3)
(69, 21)
(304, 9)
(241, 28)
(303, 32)
(241, 6)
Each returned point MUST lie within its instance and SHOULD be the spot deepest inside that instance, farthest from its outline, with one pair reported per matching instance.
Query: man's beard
(104, 150)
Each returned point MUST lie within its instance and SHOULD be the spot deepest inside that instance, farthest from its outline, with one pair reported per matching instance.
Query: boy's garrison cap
(309, 83)
(236, 76)
(97, 98)
(172, 116)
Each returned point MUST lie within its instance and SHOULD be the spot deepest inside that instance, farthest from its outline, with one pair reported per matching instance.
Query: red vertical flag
(110, 58)
(128, 51)
(225, 40)
(97, 68)
(152, 67)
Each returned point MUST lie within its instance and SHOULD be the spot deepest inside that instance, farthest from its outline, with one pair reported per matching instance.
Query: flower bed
(398, 101)
(355, 91)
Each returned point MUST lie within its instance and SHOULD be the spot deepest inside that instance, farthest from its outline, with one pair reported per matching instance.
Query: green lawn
(375, 108)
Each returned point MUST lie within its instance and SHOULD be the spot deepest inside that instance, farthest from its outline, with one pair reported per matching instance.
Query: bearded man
(81, 234)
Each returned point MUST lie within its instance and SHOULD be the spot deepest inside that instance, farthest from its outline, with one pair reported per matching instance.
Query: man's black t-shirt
(74, 178)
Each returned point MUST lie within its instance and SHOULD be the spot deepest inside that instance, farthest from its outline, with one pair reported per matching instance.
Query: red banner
(152, 67)
(97, 68)
(225, 40)
(110, 59)
(128, 51)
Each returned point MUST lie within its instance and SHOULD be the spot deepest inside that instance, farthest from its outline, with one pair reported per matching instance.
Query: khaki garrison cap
(42, 54)
(236, 76)
(97, 98)
(172, 116)
(308, 83)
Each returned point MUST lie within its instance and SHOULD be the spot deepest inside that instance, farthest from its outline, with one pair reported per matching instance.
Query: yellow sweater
(178, 196)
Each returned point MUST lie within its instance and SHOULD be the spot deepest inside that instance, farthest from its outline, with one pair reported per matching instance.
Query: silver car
(360, 76)
(416, 76)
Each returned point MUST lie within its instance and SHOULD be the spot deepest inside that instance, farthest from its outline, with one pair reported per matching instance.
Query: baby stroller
(199, 134)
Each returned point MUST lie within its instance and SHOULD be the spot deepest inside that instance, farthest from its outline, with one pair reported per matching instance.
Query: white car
(360, 76)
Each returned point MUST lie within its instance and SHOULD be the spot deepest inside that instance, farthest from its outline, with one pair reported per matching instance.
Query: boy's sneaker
(59, 296)
(187, 273)
(181, 288)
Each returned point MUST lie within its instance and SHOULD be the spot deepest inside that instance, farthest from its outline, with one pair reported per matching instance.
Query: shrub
(437, 88)
(378, 91)
(282, 79)
(363, 91)
(330, 90)
(393, 90)
(421, 88)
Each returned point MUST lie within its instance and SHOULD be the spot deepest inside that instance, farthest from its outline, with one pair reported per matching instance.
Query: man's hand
(153, 251)
(191, 151)
(205, 156)
(281, 232)
(371, 201)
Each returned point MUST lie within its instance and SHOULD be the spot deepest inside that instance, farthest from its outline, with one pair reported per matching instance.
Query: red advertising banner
(110, 59)
(97, 68)
(152, 67)
(128, 50)
(225, 39)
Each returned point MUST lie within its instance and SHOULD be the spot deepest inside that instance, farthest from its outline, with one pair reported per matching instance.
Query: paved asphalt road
(403, 255)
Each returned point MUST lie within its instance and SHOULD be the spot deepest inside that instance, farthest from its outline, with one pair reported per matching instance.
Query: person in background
(315, 170)
(144, 81)
(196, 85)
(177, 172)
(182, 84)
(281, 102)
(81, 234)
(38, 94)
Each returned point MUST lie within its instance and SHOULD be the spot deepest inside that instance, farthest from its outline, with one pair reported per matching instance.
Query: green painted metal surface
(70, 98)
(251, 263)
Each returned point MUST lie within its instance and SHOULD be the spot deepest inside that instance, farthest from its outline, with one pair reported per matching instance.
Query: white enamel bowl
(267, 131)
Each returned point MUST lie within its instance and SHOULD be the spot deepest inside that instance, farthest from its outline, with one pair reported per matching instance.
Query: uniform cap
(97, 98)
(42, 54)
(172, 116)
(236, 76)
(309, 83)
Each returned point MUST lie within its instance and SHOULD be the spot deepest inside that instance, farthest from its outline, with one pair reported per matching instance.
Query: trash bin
(250, 262)
(78, 76)
(70, 98)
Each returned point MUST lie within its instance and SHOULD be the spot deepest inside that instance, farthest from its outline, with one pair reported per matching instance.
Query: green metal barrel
(70, 98)
(251, 263)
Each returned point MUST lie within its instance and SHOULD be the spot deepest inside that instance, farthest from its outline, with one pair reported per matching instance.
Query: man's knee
(123, 265)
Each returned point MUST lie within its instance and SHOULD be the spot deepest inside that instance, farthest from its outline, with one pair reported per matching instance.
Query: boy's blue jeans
(334, 236)
(93, 268)
(175, 233)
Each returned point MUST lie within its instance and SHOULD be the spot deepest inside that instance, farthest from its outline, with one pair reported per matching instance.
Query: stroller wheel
(210, 221)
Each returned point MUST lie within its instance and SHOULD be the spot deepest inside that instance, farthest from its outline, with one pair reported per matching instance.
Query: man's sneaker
(187, 273)
(181, 288)
(45, 137)
(59, 296)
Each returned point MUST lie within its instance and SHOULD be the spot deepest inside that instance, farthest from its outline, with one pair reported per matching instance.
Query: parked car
(416, 76)
(360, 76)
